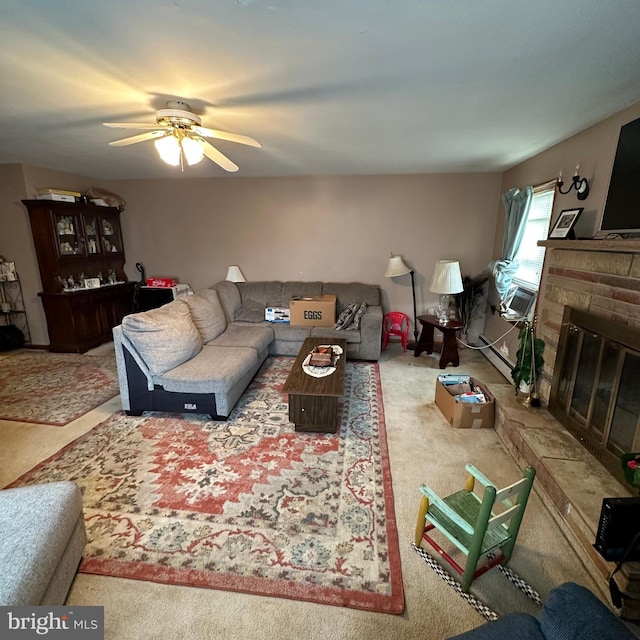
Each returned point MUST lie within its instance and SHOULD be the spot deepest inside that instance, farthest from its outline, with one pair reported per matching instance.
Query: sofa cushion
(256, 337)
(573, 612)
(352, 337)
(38, 524)
(164, 337)
(213, 370)
(515, 626)
(251, 311)
(269, 294)
(347, 292)
(207, 314)
(300, 290)
(290, 333)
(229, 297)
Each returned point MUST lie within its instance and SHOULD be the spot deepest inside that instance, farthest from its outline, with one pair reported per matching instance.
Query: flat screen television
(622, 209)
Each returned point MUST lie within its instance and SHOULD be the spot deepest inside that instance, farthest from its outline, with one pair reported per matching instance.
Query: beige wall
(332, 228)
(16, 245)
(595, 149)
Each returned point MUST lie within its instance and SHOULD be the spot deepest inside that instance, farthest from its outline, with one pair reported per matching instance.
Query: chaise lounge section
(199, 353)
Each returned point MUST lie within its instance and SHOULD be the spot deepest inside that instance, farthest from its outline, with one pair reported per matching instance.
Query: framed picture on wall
(563, 228)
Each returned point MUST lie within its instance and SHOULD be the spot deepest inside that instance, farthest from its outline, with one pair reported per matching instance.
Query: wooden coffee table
(313, 402)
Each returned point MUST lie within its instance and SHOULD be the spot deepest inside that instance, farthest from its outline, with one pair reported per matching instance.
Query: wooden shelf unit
(11, 293)
(78, 240)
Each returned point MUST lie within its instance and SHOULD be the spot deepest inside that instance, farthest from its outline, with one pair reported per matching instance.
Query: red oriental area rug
(54, 388)
(244, 505)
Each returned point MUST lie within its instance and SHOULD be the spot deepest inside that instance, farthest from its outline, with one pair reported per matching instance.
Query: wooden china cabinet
(77, 244)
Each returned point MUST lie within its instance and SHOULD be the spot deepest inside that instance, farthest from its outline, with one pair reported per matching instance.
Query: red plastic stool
(395, 323)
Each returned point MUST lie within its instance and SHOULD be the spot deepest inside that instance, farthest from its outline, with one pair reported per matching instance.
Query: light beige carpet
(423, 448)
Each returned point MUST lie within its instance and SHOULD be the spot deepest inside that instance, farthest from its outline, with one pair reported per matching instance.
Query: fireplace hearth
(595, 391)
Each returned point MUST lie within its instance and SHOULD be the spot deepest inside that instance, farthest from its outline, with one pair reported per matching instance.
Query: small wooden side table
(449, 343)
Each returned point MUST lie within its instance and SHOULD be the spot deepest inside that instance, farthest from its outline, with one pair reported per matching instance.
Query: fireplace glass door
(596, 394)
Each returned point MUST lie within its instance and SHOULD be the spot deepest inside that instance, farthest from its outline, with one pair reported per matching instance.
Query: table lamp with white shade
(234, 274)
(446, 281)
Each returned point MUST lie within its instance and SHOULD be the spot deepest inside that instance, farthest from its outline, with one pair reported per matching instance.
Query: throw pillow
(357, 316)
(251, 311)
(345, 318)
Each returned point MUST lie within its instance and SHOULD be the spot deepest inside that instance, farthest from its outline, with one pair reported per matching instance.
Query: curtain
(517, 203)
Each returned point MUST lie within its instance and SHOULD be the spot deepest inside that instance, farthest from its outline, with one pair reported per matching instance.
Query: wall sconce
(579, 184)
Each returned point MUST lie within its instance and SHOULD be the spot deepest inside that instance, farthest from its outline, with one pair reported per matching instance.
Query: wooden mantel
(616, 246)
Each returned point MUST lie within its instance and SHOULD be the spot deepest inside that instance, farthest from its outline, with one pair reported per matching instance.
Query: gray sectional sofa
(571, 612)
(198, 354)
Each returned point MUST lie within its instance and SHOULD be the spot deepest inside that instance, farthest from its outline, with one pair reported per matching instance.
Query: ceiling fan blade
(219, 158)
(224, 135)
(141, 137)
(131, 125)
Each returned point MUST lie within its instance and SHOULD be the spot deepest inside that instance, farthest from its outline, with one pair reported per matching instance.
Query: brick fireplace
(589, 380)
(600, 277)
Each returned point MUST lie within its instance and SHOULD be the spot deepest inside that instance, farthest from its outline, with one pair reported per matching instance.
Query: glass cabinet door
(92, 236)
(68, 234)
(111, 234)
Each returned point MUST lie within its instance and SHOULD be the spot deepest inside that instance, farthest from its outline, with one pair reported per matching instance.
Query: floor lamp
(395, 268)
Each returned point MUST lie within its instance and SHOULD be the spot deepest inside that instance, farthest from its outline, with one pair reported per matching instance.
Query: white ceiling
(327, 86)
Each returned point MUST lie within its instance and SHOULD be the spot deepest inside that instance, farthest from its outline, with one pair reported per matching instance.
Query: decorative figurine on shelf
(112, 276)
(81, 280)
(7, 270)
(71, 283)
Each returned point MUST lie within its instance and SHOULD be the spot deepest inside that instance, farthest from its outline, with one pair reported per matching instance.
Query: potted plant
(529, 361)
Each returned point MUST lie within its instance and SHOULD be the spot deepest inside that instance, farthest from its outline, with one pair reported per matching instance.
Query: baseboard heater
(496, 358)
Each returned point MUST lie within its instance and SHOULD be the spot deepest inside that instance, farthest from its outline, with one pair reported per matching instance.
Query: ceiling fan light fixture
(193, 149)
(180, 139)
(169, 150)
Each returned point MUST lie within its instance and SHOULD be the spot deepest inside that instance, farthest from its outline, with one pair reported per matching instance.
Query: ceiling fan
(179, 136)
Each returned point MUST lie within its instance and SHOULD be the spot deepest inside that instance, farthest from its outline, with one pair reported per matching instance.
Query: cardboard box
(64, 192)
(277, 314)
(313, 312)
(464, 415)
(157, 281)
(57, 197)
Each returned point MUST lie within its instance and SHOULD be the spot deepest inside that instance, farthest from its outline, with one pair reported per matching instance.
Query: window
(530, 256)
